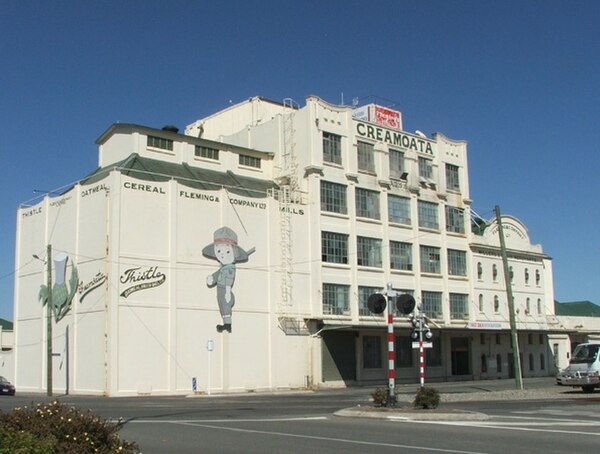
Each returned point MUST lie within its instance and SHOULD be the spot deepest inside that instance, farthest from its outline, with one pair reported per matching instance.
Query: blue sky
(519, 80)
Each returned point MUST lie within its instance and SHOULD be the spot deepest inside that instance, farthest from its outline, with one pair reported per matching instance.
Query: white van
(584, 368)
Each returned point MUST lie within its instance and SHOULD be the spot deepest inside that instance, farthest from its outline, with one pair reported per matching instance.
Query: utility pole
(49, 321)
(511, 304)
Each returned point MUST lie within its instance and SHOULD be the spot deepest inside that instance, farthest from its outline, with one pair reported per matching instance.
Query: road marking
(508, 426)
(336, 440)
(191, 421)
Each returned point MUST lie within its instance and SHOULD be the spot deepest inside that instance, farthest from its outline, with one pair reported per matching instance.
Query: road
(304, 423)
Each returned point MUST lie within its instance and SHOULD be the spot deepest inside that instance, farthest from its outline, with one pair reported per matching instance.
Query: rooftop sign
(395, 138)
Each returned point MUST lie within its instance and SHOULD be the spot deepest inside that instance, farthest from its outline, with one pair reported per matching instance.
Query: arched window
(511, 273)
(539, 306)
(538, 277)
(542, 362)
(481, 302)
(494, 272)
(496, 304)
(528, 306)
(531, 361)
(479, 270)
(526, 276)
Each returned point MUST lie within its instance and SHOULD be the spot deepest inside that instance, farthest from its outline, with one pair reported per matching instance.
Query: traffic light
(405, 303)
(376, 303)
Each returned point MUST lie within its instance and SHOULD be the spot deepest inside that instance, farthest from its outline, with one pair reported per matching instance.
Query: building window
(368, 251)
(481, 302)
(432, 304)
(336, 299)
(333, 197)
(404, 352)
(372, 352)
(206, 152)
(159, 142)
(334, 247)
(511, 273)
(457, 263)
(428, 215)
(332, 148)
(499, 363)
(399, 209)
(425, 168)
(539, 306)
(366, 157)
(526, 276)
(396, 164)
(496, 304)
(483, 364)
(363, 296)
(542, 362)
(531, 368)
(494, 272)
(367, 204)
(479, 270)
(430, 259)
(452, 181)
(455, 219)
(433, 356)
(459, 306)
(498, 339)
(529, 338)
(538, 277)
(400, 256)
(528, 306)
(249, 161)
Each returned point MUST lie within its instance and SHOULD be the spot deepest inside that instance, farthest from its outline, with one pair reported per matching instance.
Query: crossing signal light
(405, 303)
(376, 303)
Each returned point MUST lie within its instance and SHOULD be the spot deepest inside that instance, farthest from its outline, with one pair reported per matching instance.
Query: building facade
(241, 254)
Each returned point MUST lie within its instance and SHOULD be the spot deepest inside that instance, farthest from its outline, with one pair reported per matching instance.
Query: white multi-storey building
(240, 256)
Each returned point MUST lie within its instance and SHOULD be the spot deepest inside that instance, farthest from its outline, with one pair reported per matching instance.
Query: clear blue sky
(519, 80)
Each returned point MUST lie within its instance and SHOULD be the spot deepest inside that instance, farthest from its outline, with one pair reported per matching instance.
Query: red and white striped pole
(421, 352)
(391, 357)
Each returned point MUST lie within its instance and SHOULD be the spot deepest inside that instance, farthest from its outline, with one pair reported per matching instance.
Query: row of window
(334, 200)
(485, 358)
(372, 357)
(528, 305)
(526, 274)
(203, 152)
(336, 301)
(332, 153)
(334, 249)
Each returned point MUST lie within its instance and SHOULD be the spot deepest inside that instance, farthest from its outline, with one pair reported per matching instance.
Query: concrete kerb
(407, 414)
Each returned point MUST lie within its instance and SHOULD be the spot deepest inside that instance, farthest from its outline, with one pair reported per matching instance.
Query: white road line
(189, 421)
(506, 426)
(336, 440)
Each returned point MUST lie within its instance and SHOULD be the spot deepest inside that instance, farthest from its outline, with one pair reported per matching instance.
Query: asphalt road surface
(304, 423)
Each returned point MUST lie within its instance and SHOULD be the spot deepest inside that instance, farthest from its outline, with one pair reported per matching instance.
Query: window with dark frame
(332, 148)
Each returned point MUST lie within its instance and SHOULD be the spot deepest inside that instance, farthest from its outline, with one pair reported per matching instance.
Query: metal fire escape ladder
(289, 320)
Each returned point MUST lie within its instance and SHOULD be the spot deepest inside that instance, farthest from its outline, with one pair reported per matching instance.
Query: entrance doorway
(461, 356)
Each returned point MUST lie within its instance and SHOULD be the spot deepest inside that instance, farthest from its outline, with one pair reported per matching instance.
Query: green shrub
(53, 427)
(427, 398)
(381, 398)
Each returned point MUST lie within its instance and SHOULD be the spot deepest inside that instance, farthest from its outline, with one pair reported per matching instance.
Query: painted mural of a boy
(225, 249)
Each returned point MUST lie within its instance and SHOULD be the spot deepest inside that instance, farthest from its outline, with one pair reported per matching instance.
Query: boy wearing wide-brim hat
(225, 249)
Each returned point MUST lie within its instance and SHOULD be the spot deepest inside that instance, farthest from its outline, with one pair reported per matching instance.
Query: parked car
(6, 387)
(584, 368)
